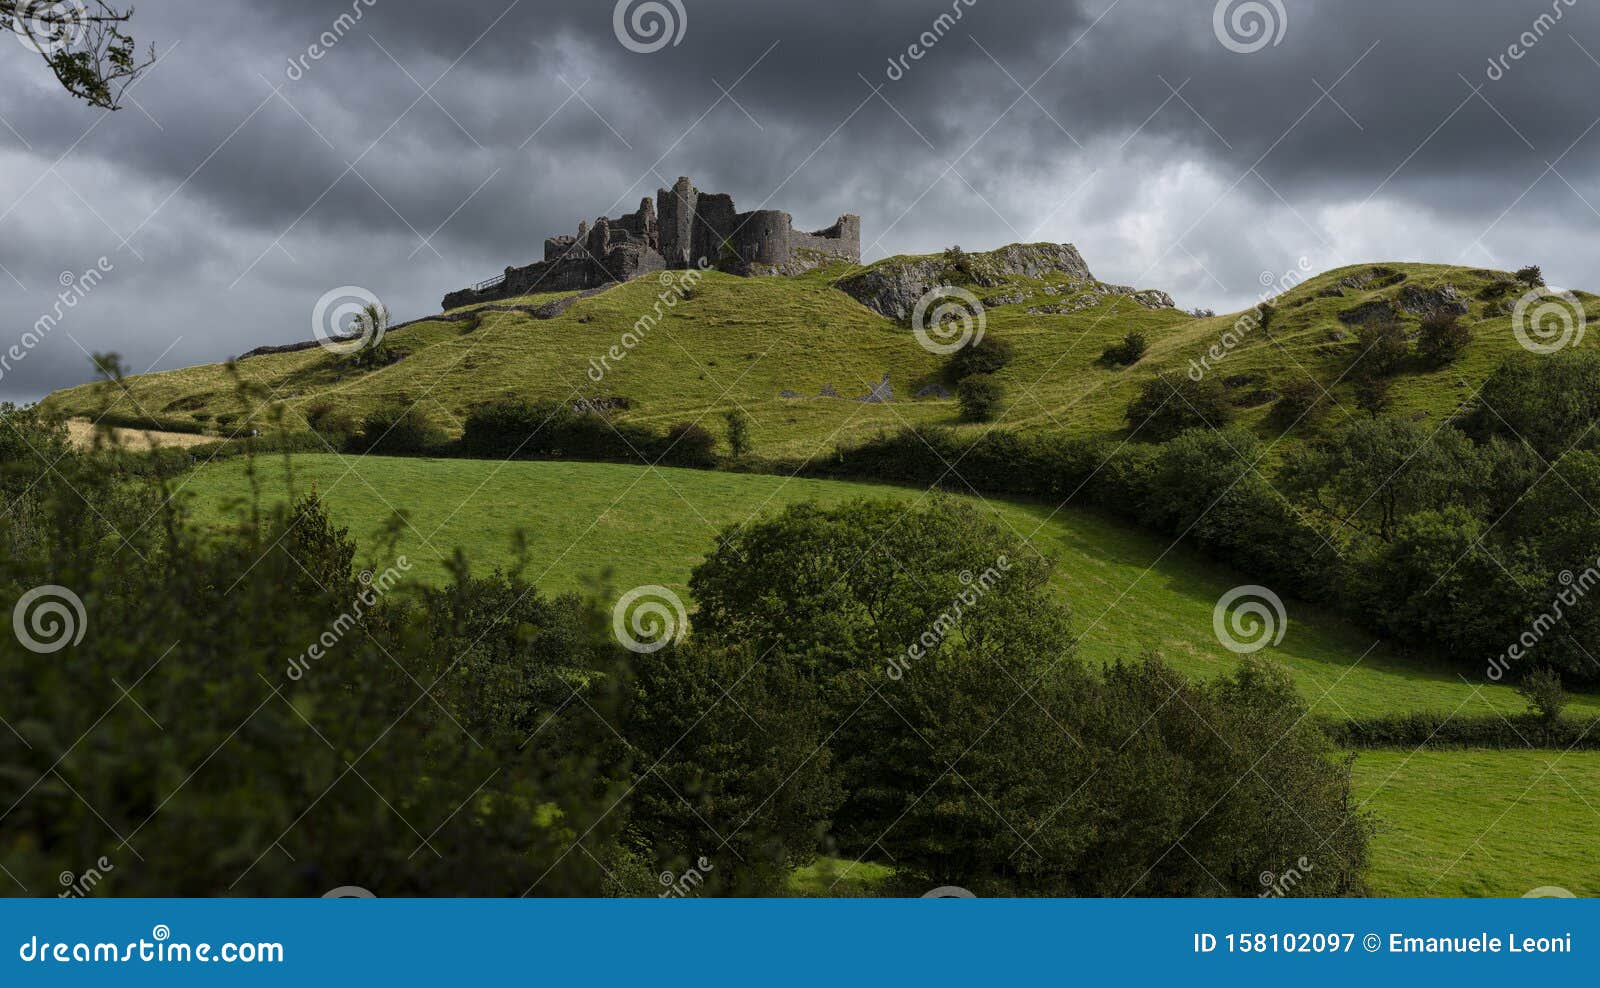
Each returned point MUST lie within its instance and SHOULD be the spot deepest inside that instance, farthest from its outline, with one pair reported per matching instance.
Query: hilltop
(798, 353)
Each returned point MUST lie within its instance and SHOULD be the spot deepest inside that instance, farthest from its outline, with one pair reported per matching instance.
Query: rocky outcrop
(892, 288)
(1096, 294)
(1381, 310)
(1431, 301)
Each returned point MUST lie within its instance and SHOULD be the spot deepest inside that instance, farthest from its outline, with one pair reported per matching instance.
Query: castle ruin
(681, 228)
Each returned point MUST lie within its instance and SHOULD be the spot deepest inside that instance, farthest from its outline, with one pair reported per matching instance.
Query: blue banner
(800, 942)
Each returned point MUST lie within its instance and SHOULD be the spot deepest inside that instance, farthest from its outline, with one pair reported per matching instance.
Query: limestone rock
(892, 288)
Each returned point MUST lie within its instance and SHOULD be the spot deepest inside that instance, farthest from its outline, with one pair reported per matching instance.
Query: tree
(1532, 276)
(83, 44)
(1371, 473)
(739, 444)
(980, 396)
(1382, 350)
(733, 766)
(1544, 693)
(1266, 312)
(1299, 400)
(1549, 400)
(1167, 406)
(1128, 352)
(988, 355)
(1443, 339)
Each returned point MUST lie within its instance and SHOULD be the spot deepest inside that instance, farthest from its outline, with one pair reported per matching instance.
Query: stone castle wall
(681, 228)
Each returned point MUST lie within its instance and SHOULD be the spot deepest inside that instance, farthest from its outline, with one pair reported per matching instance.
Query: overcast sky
(430, 145)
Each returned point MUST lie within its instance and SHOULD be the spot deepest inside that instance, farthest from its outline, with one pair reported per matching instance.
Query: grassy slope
(652, 526)
(743, 341)
(1450, 823)
(1482, 823)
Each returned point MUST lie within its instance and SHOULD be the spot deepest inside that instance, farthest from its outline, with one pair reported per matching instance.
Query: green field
(1129, 591)
(1482, 823)
(1449, 823)
(741, 342)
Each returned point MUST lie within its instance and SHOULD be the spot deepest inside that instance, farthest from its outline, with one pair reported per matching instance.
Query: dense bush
(293, 729)
(980, 397)
(988, 355)
(398, 430)
(518, 428)
(739, 775)
(740, 445)
(1167, 406)
(1127, 352)
(1443, 339)
(964, 723)
(1381, 350)
(1550, 401)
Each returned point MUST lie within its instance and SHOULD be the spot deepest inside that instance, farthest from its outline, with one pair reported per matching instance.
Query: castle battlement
(681, 228)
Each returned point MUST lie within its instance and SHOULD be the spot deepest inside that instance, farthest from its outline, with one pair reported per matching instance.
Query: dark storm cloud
(284, 147)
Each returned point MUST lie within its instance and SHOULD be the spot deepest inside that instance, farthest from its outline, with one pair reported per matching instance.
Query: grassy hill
(738, 342)
(1440, 814)
(582, 521)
